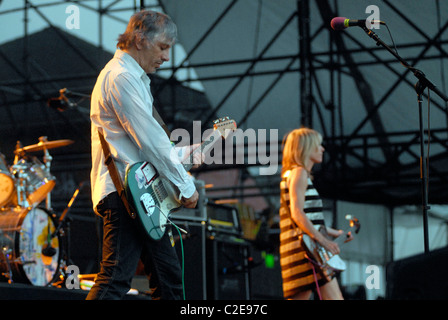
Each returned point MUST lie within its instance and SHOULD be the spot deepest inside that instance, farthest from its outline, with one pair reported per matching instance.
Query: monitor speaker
(420, 277)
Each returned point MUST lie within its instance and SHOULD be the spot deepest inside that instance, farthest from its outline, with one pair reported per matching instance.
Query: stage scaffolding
(371, 177)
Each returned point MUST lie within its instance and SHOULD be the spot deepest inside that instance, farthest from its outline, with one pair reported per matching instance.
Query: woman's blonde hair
(297, 147)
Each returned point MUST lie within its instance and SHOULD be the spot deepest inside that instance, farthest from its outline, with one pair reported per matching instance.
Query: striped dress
(297, 271)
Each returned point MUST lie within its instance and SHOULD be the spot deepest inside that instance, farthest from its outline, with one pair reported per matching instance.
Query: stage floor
(19, 291)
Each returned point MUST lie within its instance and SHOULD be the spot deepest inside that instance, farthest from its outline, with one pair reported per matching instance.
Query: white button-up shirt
(121, 108)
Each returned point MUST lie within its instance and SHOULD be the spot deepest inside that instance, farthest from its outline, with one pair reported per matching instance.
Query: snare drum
(38, 181)
(24, 232)
(6, 182)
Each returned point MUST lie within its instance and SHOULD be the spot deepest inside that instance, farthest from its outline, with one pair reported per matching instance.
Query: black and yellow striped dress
(297, 271)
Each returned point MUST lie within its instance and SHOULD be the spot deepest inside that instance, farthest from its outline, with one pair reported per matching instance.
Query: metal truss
(383, 181)
(344, 149)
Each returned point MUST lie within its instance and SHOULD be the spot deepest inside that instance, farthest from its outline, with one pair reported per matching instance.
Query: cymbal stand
(19, 173)
(66, 233)
(47, 162)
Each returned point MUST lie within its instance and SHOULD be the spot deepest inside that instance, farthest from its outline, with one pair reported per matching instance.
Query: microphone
(340, 23)
(48, 250)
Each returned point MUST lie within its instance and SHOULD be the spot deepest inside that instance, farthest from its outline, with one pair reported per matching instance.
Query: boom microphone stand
(420, 86)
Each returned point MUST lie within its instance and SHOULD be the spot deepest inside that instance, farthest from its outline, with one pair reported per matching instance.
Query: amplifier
(227, 269)
(223, 219)
(192, 254)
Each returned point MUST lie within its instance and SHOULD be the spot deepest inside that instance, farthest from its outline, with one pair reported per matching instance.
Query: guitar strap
(113, 171)
(159, 119)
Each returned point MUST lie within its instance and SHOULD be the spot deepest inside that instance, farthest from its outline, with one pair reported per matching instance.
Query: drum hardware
(63, 102)
(34, 182)
(43, 145)
(19, 172)
(29, 238)
(24, 233)
(6, 182)
(6, 254)
(39, 181)
(66, 210)
(47, 161)
(7, 259)
(28, 182)
(48, 250)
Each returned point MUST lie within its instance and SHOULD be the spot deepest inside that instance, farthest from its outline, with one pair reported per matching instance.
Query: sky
(82, 20)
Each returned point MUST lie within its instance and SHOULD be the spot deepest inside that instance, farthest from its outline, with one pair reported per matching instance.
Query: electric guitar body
(152, 196)
(325, 261)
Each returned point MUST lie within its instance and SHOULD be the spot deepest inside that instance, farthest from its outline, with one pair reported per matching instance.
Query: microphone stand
(420, 86)
(64, 213)
(61, 223)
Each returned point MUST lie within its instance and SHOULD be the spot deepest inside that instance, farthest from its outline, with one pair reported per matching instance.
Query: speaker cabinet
(227, 269)
(215, 267)
(421, 277)
(265, 276)
(192, 254)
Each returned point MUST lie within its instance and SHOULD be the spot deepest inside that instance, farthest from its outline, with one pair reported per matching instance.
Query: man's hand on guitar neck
(198, 156)
(185, 153)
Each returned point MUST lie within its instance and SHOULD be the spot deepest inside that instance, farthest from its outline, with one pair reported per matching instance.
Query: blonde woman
(301, 211)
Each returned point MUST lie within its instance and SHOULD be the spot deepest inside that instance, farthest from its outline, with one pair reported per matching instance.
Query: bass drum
(24, 232)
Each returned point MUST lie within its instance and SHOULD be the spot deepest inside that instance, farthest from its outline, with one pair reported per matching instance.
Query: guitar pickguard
(148, 203)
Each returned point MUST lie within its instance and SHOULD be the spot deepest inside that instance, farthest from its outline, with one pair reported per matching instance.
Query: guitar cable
(182, 251)
(179, 230)
(172, 223)
(315, 276)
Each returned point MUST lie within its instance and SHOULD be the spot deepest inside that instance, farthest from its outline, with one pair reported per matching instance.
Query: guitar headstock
(354, 222)
(225, 126)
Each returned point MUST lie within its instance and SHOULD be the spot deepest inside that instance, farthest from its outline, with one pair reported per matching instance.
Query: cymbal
(45, 145)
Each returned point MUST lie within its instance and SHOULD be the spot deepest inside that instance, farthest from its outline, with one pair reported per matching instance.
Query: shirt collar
(131, 64)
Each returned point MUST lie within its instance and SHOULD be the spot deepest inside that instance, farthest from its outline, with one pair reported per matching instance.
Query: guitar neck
(205, 147)
(341, 239)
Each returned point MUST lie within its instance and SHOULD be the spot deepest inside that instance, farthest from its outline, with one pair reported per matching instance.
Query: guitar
(326, 262)
(154, 197)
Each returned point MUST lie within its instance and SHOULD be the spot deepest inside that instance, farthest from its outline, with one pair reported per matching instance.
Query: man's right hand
(190, 202)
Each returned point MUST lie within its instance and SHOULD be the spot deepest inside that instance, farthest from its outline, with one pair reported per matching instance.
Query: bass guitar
(154, 197)
(326, 262)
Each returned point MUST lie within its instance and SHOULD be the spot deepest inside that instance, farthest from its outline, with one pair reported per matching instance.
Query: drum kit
(30, 237)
